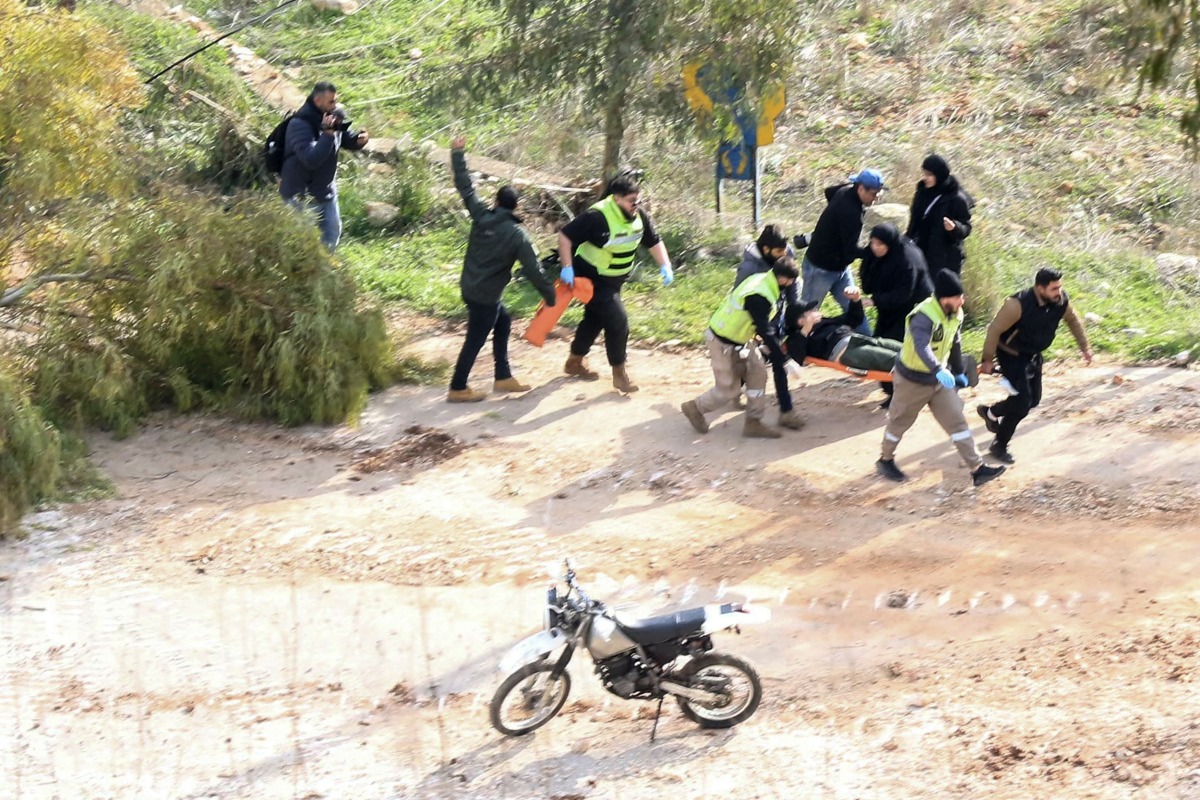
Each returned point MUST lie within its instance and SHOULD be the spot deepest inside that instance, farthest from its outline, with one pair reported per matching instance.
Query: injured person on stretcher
(811, 336)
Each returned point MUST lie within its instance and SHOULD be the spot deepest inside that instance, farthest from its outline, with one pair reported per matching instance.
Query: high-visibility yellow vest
(616, 257)
(944, 330)
(732, 321)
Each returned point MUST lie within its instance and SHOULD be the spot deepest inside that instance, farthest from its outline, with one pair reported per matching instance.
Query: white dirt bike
(637, 659)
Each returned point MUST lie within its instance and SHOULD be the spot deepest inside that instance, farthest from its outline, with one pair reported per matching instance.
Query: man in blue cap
(834, 242)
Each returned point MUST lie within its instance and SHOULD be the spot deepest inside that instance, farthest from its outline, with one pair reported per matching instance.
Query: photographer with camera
(315, 133)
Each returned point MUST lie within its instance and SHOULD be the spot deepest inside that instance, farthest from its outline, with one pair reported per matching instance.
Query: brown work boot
(695, 416)
(578, 368)
(755, 429)
(791, 420)
(467, 395)
(510, 385)
(621, 380)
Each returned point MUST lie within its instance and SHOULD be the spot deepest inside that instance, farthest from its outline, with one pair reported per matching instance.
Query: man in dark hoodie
(940, 218)
(497, 240)
(927, 371)
(761, 256)
(834, 242)
(315, 133)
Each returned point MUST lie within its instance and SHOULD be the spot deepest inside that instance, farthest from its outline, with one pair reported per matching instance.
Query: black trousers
(482, 319)
(604, 313)
(1025, 374)
(890, 324)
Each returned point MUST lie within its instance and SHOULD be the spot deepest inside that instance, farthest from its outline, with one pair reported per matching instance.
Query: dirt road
(317, 613)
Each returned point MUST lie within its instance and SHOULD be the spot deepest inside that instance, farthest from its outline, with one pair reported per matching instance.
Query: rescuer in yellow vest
(746, 311)
(600, 245)
(927, 373)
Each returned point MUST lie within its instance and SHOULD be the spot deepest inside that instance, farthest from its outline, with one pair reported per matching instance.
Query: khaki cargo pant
(908, 398)
(729, 370)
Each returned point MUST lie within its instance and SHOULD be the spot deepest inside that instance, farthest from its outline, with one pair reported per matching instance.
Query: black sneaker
(993, 425)
(983, 473)
(1001, 454)
(888, 469)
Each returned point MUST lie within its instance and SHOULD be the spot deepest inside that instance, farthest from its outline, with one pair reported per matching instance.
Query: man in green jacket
(497, 240)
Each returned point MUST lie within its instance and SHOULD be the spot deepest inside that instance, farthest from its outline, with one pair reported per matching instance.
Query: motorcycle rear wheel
(531, 690)
(732, 678)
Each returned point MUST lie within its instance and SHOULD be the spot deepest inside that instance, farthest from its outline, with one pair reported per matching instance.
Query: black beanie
(938, 166)
(507, 197)
(946, 284)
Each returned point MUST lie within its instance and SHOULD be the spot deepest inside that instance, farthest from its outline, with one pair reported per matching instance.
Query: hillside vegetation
(1067, 163)
(129, 283)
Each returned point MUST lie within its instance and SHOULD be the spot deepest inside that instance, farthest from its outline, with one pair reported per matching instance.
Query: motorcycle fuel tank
(605, 639)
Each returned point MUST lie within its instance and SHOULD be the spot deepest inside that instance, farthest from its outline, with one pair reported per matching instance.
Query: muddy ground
(318, 612)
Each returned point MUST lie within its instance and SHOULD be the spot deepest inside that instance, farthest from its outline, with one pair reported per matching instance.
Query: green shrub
(29, 451)
(198, 305)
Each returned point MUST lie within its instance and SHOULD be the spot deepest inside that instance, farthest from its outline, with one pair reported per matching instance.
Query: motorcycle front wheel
(528, 699)
(732, 680)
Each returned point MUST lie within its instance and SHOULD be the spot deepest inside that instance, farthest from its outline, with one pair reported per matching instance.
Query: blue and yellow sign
(736, 161)
(700, 87)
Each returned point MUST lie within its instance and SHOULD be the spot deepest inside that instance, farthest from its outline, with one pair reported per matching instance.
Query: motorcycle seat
(665, 628)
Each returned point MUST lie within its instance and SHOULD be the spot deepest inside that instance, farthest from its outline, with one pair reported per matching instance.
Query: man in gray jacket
(497, 240)
(314, 136)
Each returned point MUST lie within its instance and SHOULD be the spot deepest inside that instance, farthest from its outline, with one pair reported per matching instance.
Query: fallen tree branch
(14, 295)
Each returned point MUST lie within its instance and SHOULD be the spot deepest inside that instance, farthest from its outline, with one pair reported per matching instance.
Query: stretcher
(865, 374)
(546, 317)
(970, 369)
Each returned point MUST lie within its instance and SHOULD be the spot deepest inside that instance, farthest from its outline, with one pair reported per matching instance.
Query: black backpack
(273, 146)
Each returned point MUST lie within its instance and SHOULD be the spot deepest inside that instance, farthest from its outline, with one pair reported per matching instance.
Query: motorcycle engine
(625, 676)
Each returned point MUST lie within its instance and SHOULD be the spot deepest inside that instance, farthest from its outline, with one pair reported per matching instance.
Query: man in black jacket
(940, 218)
(315, 133)
(497, 240)
(834, 242)
(835, 339)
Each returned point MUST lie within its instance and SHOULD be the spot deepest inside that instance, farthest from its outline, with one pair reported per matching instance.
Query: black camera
(340, 123)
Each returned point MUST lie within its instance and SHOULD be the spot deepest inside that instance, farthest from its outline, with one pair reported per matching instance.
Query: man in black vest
(1024, 327)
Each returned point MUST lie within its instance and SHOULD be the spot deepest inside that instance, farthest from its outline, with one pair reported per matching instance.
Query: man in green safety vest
(747, 310)
(927, 372)
(600, 245)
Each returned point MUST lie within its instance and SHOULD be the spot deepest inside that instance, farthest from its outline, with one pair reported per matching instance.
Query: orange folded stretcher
(865, 374)
(546, 317)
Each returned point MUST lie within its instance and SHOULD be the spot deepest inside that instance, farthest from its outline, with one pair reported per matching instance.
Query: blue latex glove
(667, 273)
(961, 381)
(945, 378)
(567, 275)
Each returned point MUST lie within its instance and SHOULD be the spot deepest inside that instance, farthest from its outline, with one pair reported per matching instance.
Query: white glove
(793, 369)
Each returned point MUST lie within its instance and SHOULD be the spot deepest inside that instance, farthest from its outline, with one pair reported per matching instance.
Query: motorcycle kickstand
(657, 714)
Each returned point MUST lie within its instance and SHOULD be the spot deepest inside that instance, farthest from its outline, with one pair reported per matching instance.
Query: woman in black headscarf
(894, 275)
(940, 218)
